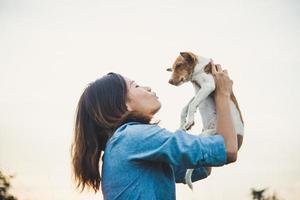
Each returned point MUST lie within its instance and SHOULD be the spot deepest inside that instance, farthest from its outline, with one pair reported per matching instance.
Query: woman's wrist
(222, 100)
(222, 96)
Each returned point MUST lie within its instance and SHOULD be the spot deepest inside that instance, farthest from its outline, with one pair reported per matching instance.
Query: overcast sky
(50, 50)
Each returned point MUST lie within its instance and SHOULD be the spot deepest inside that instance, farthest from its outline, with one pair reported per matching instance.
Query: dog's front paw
(209, 132)
(188, 125)
(182, 127)
(182, 124)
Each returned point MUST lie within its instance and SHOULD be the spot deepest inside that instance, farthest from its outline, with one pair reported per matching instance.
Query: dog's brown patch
(237, 105)
(208, 68)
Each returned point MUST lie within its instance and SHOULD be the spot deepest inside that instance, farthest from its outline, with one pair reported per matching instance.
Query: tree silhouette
(4, 187)
(259, 195)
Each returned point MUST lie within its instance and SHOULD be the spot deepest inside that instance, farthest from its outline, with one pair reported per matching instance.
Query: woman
(142, 160)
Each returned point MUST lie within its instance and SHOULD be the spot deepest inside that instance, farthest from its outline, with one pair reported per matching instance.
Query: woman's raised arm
(225, 126)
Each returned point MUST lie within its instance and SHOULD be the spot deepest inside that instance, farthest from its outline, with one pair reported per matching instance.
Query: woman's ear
(129, 108)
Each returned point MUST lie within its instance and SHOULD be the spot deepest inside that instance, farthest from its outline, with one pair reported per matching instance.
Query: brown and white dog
(196, 69)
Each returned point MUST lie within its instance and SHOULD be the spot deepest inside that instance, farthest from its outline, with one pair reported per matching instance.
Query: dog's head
(182, 68)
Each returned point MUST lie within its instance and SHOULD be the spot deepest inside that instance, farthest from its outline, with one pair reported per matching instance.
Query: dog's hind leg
(208, 132)
(188, 178)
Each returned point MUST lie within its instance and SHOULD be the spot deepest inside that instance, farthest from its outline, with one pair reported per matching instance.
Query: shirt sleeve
(153, 143)
(198, 174)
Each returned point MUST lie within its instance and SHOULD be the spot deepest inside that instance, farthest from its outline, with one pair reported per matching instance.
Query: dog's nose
(171, 81)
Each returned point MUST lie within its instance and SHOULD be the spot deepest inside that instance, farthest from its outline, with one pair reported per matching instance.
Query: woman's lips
(155, 95)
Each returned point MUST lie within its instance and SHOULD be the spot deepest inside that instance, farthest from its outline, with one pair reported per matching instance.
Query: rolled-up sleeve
(153, 143)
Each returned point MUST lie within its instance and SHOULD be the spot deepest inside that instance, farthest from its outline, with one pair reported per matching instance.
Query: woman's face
(141, 99)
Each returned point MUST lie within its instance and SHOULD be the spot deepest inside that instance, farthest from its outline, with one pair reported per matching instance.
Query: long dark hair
(100, 111)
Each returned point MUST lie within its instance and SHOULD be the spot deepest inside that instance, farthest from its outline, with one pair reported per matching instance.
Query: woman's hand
(222, 80)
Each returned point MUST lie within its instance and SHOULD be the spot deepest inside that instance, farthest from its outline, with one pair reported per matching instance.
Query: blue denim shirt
(143, 161)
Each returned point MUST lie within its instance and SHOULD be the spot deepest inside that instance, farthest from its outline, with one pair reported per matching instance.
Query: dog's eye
(178, 65)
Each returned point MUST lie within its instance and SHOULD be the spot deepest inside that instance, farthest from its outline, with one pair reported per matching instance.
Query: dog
(189, 67)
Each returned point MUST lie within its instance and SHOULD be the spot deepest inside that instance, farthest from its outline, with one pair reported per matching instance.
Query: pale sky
(50, 50)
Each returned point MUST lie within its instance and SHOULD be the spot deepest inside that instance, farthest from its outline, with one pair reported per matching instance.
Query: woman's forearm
(225, 126)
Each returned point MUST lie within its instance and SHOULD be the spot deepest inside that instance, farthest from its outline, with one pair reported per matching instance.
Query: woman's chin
(157, 108)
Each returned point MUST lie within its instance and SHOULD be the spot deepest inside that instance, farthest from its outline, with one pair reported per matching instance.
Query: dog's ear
(169, 69)
(187, 56)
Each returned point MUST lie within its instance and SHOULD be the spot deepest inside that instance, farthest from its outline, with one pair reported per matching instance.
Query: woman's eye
(137, 86)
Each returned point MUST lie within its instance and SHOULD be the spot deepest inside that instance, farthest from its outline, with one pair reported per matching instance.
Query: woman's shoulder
(132, 126)
(134, 129)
